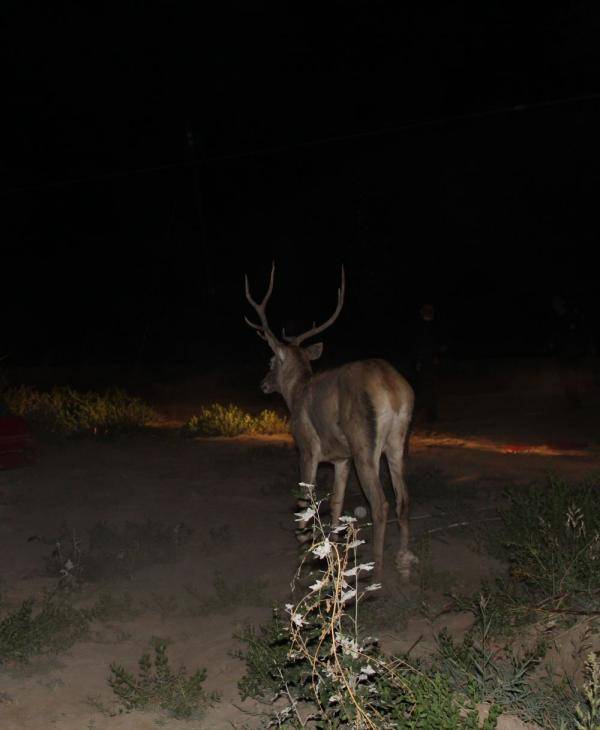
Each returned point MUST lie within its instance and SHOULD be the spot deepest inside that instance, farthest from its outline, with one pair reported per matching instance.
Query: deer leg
(368, 474)
(395, 459)
(342, 470)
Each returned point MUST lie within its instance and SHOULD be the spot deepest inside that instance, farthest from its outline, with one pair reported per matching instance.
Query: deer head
(290, 362)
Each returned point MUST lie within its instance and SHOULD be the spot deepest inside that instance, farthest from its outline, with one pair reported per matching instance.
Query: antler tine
(267, 295)
(262, 329)
(316, 330)
(257, 327)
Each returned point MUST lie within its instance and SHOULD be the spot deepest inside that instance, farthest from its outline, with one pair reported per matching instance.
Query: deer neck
(294, 388)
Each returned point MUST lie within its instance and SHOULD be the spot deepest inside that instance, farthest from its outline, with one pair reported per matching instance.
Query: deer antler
(263, 330)
(298, 339)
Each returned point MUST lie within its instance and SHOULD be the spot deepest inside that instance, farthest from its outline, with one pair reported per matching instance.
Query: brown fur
(352, 414)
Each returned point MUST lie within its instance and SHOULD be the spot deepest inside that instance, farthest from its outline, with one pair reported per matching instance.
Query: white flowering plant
(314, 659)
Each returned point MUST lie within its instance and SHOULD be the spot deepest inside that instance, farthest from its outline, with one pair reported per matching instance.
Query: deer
(351, 414)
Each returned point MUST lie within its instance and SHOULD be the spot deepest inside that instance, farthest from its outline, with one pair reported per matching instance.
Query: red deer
(352, 413)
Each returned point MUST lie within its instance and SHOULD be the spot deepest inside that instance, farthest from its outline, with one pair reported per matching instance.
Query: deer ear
(315, 351)
(280, 353)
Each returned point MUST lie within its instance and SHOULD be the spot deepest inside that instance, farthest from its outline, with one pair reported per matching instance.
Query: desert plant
(588, 715)
(231, 420)
(56, 626)
(487, 671)
(67, 412)
(108, 549)
(270, 422)
(550, 538)
(157, 686)
(27, 631)
(218, 420)
(331, 674)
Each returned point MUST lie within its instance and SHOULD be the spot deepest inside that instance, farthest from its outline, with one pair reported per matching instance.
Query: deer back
(350, 408)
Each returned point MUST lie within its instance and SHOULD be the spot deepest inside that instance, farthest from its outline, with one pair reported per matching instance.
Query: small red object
(17, 446)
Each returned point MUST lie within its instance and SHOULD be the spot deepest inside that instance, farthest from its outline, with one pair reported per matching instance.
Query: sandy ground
(235, 496)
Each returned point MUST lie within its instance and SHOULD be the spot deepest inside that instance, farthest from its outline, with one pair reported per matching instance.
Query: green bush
(231, 420)
(68, 412)
(550, 538)
(269, 422)
(157, 686)
(55, 627)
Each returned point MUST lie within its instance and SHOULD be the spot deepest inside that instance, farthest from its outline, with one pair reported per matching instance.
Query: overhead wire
(264, 151)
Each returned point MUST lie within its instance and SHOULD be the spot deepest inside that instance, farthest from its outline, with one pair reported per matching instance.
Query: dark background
(159, 150)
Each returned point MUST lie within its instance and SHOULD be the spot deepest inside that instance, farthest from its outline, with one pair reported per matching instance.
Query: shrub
(231, 420)
(67, 412)
(55, 627)
(333, 676)
(218, 420)
(550, 539)
(26, 632)
(157, 686)
(269, 422)
(329, 673)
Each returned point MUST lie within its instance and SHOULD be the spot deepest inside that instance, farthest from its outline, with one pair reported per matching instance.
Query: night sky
(157, 150)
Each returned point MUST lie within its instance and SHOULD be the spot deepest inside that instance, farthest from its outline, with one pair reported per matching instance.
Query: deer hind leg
(342, 471)
(367, 468)
(394, 452)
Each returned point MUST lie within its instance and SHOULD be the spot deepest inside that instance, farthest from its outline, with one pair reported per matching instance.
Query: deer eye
(272, 363)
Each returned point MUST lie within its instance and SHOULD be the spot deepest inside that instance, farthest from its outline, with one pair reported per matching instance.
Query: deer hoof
(404, 560)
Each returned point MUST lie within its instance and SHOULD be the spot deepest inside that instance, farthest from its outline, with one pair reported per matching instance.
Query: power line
(416, 125)
(259, 152)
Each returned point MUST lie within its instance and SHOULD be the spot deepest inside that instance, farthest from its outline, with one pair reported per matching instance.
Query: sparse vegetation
(550, 539)
(110, 607)
(227, 596)
(106, 550)
(67, 412)
(231, 420)
(54, 627)
(333, 676)
(157, 686)
(52, 624)
(318, 658)
(588, 713)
